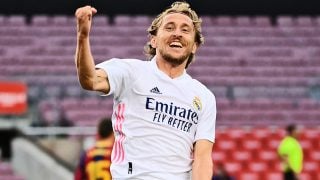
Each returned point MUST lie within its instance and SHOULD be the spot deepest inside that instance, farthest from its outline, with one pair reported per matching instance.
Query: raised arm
(89, 77)
(202, 167)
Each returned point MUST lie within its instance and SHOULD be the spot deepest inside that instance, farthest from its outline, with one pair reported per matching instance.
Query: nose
(177, 33)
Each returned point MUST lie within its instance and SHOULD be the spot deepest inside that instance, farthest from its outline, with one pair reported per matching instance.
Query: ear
(153, 42)
(194, 48)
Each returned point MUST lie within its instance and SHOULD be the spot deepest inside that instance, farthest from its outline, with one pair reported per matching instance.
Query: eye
(186, 30)
(169, 28)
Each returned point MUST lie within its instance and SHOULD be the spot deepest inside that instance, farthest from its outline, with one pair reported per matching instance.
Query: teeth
(176, 44)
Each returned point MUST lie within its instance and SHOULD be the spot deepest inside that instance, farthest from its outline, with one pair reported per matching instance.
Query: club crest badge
(197, 103)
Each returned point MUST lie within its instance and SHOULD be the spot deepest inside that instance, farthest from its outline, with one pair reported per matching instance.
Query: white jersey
(156, 120)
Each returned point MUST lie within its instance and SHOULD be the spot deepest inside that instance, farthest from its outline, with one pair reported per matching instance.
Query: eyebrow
(183, 24)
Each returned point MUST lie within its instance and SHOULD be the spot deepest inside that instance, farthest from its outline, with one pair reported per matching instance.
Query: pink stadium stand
(122, 20)
(61, 20)
(243, 21)
(285, 21)
(262, 21)
(40, 20)
(262, 75)
(15, 20)
(100, 20)
(223, 21)
(305, 21)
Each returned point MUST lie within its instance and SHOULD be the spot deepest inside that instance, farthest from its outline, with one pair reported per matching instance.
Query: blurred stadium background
(260, 58)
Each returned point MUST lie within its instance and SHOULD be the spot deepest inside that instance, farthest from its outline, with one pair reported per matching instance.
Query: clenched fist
(84, 19)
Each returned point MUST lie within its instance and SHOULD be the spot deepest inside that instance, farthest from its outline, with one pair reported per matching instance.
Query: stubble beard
(175, 61)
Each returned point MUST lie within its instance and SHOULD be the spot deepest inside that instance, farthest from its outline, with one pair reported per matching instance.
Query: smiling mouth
(175, 45)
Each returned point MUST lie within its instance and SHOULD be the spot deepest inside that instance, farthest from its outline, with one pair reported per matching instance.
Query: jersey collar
(155, 67)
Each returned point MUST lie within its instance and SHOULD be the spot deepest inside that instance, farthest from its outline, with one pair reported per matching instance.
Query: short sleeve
(119, 74)
(207, 122)
(283, 147)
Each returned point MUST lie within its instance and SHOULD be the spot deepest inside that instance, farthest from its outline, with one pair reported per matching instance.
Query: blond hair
(176, 7)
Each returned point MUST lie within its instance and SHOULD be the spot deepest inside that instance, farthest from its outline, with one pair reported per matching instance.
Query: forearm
(85, 63)
(202, 169)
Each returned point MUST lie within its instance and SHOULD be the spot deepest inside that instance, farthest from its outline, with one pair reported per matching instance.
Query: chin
(175, 60)
(176, 57)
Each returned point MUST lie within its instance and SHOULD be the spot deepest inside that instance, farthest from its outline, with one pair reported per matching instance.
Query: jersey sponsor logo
(175, 116)
(155, 90)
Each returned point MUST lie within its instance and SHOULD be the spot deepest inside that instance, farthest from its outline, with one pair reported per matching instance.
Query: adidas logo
(155, 90)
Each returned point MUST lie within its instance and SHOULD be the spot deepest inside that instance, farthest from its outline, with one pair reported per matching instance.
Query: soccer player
(291, 154)
(95, 162)
(164, 120)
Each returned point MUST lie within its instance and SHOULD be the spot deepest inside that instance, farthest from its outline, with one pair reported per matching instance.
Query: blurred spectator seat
(219, 156)
(305, 21)
(242, 156)
(15, 20)
(100, 20)
(249, 175)
(142, 20)
(40, 20)
(2, 19)
(262, 21)
(273, 175)
(225, 145)
(133, 21)
(315, 155)
(206, 20)
(311, 166)
(305, 176)
(62, 20)
(285, 21)
(82, 111)
(251, 144)
(317, 21)
(73, 91)
(257, 167)
(233, 167)
(34, 94)
(52, 91)
(122, 20)
(243, 21)
(268, 155)
(223, 21)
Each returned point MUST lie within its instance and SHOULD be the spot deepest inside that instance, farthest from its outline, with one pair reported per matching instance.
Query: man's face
(295, 133)
(175, 39)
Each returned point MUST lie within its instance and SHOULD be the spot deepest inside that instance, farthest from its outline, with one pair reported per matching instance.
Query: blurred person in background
(95, 162)
(63, 120)
(164, 120)
(221, 173)
(52, 115)
(291, 154)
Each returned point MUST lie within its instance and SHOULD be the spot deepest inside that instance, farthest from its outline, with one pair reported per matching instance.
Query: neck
(172, 70)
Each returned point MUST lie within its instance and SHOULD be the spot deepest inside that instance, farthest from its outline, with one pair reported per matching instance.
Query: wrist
(82, 37)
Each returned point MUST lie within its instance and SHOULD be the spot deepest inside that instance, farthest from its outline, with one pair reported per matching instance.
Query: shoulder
(129, 61)
(126, 65)
(200, 87)
(203, 96)
(287, 141)
(132, 63)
